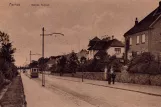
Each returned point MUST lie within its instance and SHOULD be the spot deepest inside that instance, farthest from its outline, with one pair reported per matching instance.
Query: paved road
(64, 93)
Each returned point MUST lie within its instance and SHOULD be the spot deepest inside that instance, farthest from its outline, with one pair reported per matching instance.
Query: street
(60, 92)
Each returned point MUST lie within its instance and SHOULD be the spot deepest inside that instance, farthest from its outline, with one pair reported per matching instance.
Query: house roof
(99, 45)
(116, 43)
(93, 41)
(102, 45)
(146, 23)
(83, 50)
(90, 48)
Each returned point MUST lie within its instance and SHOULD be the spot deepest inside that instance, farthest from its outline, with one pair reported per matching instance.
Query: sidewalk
(144, 89)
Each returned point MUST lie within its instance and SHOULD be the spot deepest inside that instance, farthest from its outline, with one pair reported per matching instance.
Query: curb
(152, 94)
(23, 96)
(158, 95)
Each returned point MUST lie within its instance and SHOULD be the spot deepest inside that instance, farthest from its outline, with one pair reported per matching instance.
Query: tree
(62, 63)
(6, 55)
(144, 63)
(115, 62)
(7, 52)
(83, 59)
(73, 62)
(42, 61)
(4, 38)
(33, 64)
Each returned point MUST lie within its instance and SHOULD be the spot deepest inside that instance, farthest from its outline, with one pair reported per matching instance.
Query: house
(52, 60)
(109, 45)
(82, 53)
(92, 51)
(144, 36)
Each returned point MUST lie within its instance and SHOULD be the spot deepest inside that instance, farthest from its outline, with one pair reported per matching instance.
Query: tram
(34, 73)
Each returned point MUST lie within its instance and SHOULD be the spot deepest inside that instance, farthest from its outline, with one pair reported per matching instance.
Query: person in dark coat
(113, 75)
(109, 75)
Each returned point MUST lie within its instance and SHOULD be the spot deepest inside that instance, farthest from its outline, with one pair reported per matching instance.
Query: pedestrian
(109, 75)
(113, 75)
(105, 73)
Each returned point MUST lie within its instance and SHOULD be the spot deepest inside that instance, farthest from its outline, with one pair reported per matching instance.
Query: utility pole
(43, 77)
(30, 61)
(43, 30)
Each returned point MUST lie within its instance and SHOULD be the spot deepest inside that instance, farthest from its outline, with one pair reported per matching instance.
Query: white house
(110, 46)
(82, 53)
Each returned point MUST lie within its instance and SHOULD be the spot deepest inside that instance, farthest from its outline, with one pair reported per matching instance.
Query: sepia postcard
(80, 53)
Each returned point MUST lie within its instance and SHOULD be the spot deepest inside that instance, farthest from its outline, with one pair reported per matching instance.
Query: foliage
(94, 65)
(4, 38)
(7, 67)
(83, 59)
(73, 62)
(62, 61)
(98, 65)
(115, 62)
(40, 60)
(7, 52)
(144, 63)
(33, 64)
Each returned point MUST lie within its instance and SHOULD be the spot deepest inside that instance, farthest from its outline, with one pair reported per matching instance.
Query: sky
(78, 20)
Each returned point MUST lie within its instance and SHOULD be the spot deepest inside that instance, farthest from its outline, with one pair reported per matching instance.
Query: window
(143, 38)
(130, 41)
(118, 50)
(137, 40)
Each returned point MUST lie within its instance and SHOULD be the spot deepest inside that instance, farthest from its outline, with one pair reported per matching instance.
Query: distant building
(52, 61)
(109, 45)
(82, 53)
(145, 36)
(92, 51)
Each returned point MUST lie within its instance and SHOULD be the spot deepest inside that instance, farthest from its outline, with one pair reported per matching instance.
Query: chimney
(112, 37)
(136, 21)
(160, 4)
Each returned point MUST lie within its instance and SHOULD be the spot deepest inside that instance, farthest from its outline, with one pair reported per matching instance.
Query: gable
(146, 23)
(117, 43)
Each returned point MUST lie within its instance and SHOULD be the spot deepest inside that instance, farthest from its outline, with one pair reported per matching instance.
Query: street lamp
(43, 30)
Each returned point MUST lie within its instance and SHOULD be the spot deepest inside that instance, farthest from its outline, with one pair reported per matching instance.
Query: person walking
(105, 73)
(109, 75)
(113, 75)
